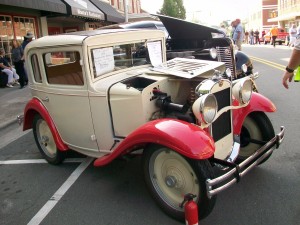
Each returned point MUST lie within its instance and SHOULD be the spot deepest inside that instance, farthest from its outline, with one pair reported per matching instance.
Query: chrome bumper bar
(239, 170)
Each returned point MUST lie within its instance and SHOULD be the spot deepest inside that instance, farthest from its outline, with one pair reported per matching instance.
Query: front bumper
(237, 171)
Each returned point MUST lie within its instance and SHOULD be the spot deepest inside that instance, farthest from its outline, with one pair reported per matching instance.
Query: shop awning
(45, 5)
(289, 16)
(84, 8)
(111, 14)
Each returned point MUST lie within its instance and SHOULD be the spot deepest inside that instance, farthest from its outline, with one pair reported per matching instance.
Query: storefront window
(6, 34)
(22, 26)
(13, 27)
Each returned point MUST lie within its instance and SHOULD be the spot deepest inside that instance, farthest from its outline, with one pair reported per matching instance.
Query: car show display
(108, 93)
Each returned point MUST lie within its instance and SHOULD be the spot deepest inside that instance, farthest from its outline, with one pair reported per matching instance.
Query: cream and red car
(109, 93)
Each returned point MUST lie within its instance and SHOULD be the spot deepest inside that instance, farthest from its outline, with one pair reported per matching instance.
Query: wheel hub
(44, 140)
(174, 179)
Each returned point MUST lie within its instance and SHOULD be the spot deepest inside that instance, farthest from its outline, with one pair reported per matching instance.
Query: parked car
(93, 93)
(281, 38)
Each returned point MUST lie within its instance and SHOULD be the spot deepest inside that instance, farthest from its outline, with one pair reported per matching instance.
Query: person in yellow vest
(294, 62)
(274, 34)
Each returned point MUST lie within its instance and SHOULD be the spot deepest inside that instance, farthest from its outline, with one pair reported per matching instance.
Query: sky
(211, 12)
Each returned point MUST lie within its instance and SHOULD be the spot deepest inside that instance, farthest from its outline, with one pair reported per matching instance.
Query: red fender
(185, 138)
(257, 103)
(33, 107)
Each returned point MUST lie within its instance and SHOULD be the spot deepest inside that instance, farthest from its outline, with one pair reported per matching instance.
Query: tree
(173, 8)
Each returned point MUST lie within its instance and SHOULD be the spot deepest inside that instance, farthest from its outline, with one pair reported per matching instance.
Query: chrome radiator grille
(225, 55)
(222, 126)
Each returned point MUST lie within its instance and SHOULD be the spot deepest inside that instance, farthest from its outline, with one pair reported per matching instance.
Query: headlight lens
(244, 68)
(242, 91)
(213, 53)
(205, 108)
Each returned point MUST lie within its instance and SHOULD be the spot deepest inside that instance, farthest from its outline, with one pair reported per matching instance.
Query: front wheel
(169, 176)
(45, 141)
(257, 129)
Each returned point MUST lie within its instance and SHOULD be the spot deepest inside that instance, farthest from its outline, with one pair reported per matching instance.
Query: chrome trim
(233, 176)
(20, 119)
(235, 150)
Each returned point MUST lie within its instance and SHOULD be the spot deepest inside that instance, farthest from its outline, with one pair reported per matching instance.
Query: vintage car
(111, 93)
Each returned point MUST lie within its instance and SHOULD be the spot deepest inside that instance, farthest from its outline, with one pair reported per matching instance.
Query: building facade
(288, 13)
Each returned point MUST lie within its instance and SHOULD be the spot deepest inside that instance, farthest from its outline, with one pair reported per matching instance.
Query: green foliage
(173, 8)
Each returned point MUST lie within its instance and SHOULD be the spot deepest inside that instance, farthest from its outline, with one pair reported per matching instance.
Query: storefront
(49, 17)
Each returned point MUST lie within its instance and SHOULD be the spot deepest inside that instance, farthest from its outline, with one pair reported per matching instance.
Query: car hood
(180, 29)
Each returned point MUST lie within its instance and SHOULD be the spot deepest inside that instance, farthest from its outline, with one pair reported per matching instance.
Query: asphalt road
(116, 194)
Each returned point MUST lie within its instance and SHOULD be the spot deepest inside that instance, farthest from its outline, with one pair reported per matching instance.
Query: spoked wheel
(45, 141)
(257, 129)
(169, 176)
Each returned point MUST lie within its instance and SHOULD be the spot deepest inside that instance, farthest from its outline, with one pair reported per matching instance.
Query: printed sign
(154, 49)
(103, 60)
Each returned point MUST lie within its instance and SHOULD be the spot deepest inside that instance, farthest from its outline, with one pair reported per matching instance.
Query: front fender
(33, 107)
(185, 138)
(257, 103)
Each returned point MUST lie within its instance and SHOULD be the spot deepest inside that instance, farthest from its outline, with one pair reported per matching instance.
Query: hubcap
(172, 177)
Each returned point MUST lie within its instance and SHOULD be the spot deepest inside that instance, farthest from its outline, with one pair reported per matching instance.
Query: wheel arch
(257, 103)
(34, 107)
(185, 138)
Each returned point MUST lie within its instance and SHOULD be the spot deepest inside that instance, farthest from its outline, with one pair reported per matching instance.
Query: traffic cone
(190, 210)
(297, 75)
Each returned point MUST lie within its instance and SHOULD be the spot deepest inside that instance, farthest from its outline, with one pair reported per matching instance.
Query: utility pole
(125, 10)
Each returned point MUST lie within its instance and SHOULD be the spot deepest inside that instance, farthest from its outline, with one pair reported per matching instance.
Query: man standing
(274, 34)
(238, 35)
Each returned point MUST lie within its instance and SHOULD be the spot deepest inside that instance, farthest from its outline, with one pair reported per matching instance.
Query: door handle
(45, 99)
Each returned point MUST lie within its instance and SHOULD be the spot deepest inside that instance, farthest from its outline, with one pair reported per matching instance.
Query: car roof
(73, 38)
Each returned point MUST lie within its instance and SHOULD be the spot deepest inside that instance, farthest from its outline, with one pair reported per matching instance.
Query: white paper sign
(103, 60)
(154, 49)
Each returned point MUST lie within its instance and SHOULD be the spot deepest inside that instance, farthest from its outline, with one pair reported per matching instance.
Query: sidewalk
(12, 104)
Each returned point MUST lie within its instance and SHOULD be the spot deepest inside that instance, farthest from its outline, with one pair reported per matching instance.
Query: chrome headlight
(213, 53)
(205, 108)
(244, 68)
(242, 90)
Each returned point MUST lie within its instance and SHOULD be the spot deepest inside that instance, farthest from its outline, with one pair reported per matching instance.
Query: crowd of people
(14, 74)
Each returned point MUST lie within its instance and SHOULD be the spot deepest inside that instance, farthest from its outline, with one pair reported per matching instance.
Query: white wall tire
(45, 141)
(169, 176)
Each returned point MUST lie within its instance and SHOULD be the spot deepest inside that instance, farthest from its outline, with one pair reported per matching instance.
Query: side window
(63, 68)
(36, 69)
(118, 57)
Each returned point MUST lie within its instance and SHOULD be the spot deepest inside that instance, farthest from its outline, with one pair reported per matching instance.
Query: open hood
(180, 29)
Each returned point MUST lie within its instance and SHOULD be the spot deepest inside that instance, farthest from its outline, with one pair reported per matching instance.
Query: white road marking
(34, 161)
(285, 59)
(44, 211)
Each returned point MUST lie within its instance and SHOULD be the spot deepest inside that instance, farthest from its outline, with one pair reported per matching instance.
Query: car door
(63, 91)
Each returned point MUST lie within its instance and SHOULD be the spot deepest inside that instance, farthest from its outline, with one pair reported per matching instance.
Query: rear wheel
(169, 176)
(45, 141)
(257, 129)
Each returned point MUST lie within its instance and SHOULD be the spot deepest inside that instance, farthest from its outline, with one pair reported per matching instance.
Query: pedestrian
(294, 62)
(17, 55)
(251, 33)
(5, 67)
(247, 37)
(298, 30)
(27, 39)
(274, 34)
(256, 36)
(223, 29)
(292, 35)
(238, 34)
